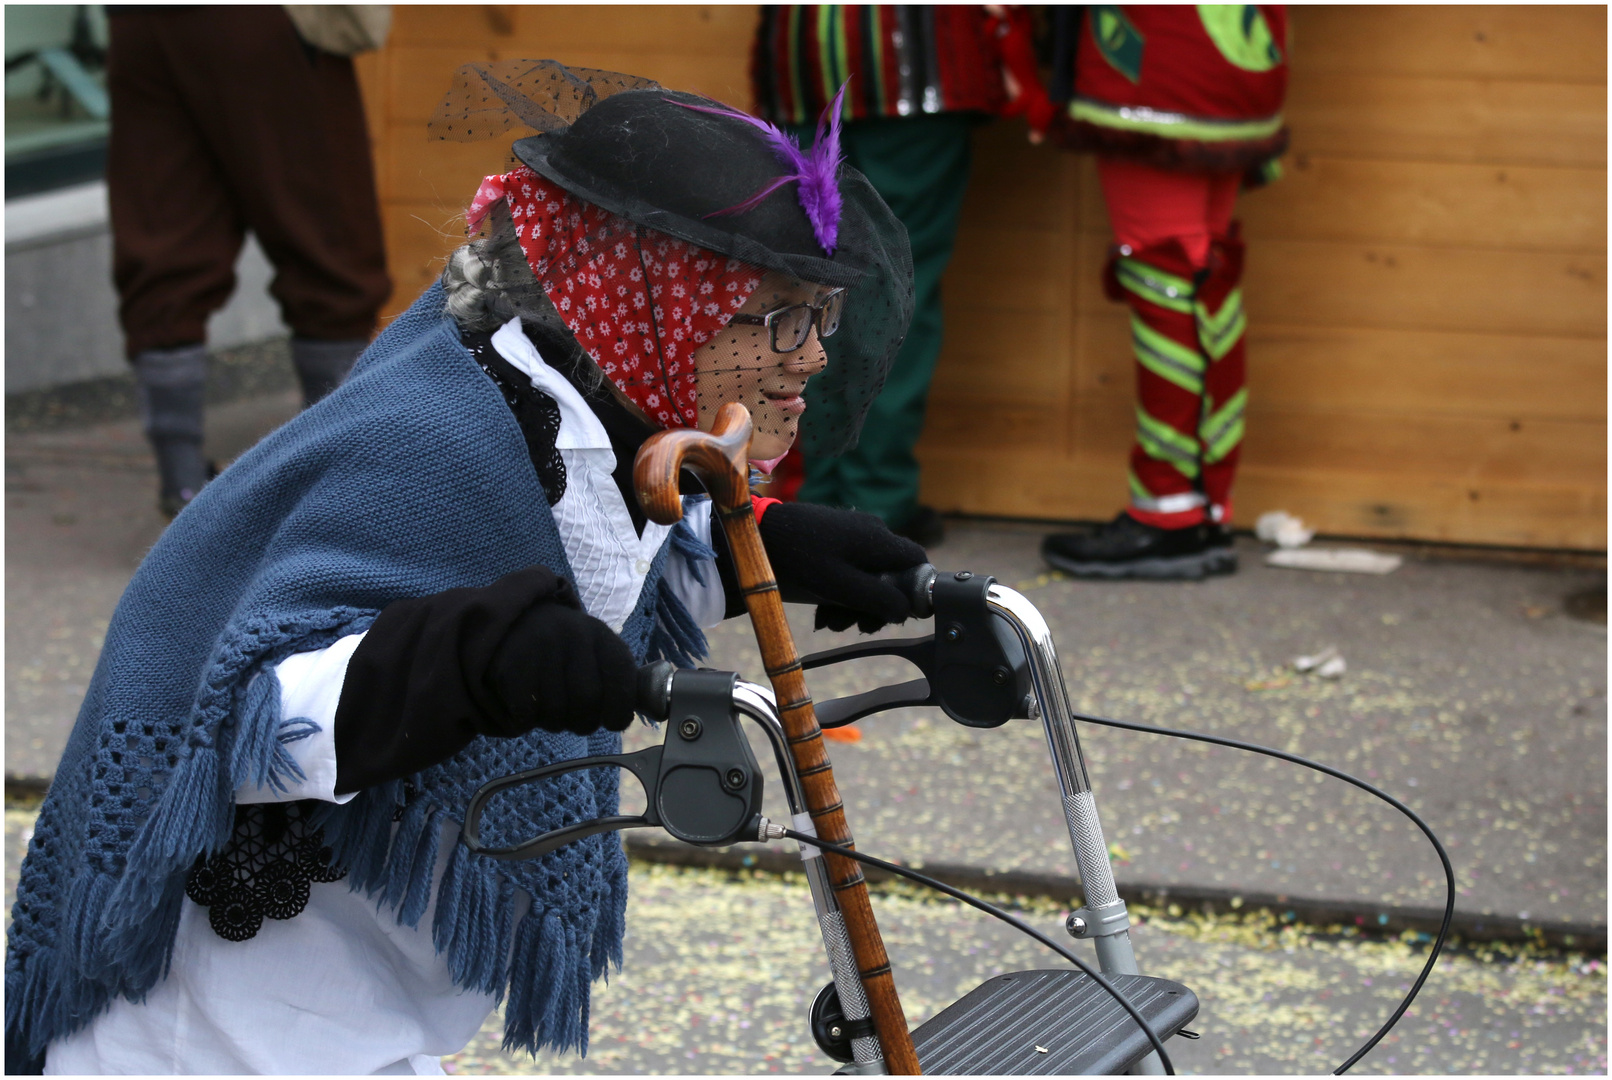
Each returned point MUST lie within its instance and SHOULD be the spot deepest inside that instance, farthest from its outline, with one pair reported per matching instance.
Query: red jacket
(1198, 88)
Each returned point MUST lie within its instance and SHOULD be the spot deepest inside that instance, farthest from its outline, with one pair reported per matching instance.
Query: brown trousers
(224, 121)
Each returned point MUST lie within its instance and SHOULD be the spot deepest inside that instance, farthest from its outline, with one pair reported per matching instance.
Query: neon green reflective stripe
(1220, 332)
(1172, 125)
(1241, 34)
(1222, 429)
(1167, 359)
(1225, 444)
(1162, 442)
(1155, 286)
(1138, 492)
(1230, 310)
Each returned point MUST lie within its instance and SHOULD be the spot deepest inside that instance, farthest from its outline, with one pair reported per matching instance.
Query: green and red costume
(1181, 104)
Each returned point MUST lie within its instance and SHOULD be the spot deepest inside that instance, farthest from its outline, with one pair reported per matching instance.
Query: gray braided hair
(487, 282)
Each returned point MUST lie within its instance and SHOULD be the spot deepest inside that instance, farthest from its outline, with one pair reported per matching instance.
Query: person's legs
(1158, 284)
(176, 233)
(287, 123)
(176, 229)
(919, 166)
(171, 388)
(1148, 206)
(1221, 327)
(1176, 264)
(1163, 234)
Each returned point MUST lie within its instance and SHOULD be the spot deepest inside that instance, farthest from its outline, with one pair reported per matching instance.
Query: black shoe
(924, 527)
(1220, 540)
(1127, 548)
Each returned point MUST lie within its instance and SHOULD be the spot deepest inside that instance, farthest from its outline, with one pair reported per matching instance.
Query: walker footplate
(1050, 1023)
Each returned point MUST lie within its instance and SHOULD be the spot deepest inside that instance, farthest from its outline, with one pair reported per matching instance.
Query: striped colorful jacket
(901, 60)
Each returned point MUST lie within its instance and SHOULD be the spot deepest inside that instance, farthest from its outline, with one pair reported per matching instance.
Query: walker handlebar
(917, 585)
(653, 693)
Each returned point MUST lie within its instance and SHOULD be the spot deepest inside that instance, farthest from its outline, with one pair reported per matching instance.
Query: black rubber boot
(171, 387)
(1127, 548)
(322, 365)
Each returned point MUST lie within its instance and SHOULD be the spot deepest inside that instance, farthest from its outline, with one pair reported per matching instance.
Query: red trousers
(224, 121)
(1178, 263)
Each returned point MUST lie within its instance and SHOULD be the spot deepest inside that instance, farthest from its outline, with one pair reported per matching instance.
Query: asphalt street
(720, 970)
(721, 967)
(1470, 696)
(1470, 693)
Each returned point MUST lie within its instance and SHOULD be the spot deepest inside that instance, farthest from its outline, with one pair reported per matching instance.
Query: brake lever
(974, 666)
(644, 764)
(837, 712)
(702, 783)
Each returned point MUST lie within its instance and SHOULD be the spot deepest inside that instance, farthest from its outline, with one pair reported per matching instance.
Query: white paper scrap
(1344, 560)
(1282, 529)
(1302, 664)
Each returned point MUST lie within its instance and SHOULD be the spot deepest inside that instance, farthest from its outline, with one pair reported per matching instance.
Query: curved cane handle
(721, 457)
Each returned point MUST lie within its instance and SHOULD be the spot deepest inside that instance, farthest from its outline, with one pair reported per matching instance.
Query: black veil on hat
(681, 165)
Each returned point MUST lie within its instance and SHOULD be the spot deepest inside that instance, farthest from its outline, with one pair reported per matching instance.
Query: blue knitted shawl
(412, 478)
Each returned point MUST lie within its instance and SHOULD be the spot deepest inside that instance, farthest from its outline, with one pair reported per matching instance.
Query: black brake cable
(990, 909)
(1449, 871)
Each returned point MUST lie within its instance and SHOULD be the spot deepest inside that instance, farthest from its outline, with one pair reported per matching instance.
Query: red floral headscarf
(639, 301)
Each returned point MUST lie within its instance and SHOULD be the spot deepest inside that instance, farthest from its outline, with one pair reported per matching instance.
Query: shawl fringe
(674, 635)
(117, 930)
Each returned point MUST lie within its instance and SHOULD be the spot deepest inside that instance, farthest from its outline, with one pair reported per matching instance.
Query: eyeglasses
(792, 325)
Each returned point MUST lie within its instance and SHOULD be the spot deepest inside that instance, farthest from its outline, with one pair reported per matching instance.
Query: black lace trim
(537, 413)
(264, 872)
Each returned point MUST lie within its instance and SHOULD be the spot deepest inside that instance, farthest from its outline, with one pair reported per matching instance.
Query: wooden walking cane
(721, 459)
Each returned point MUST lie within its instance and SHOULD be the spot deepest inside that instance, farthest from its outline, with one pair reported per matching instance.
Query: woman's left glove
(832, 558)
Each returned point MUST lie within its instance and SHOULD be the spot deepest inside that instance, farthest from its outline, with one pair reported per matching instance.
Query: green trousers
(919, 165)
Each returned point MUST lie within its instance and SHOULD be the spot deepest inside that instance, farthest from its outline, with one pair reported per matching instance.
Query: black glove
(832, 558)
(434, 672)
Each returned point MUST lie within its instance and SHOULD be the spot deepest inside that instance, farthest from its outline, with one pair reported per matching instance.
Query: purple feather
(755, 200)
(815, 170)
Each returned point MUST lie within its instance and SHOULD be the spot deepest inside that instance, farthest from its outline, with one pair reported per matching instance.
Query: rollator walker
(991, 658)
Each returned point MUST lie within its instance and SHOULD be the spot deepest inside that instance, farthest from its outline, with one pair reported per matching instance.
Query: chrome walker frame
(1103, 919)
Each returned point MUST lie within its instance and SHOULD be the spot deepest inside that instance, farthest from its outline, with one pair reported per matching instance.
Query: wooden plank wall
(425, 185)
(1426, 289)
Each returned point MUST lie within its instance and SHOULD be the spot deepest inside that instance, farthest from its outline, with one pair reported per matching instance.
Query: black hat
(655, 157)
(681, 165)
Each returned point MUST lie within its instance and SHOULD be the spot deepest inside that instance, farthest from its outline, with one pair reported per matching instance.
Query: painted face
(739, 364)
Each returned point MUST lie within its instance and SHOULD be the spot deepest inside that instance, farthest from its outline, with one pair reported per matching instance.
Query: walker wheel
(829, 1028)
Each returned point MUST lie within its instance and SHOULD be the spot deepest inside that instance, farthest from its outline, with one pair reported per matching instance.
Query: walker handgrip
(653, 695)
(917, 585)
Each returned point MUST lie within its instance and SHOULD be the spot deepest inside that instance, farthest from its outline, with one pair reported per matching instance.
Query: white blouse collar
(579, 428)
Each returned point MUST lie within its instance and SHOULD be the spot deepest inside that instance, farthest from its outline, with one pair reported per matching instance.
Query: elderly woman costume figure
(248, 861)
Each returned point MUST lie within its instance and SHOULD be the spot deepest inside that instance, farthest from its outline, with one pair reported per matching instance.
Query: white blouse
(342, 988)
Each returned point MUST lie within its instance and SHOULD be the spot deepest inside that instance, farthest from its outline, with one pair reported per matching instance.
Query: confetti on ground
(721, 968)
